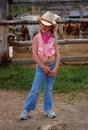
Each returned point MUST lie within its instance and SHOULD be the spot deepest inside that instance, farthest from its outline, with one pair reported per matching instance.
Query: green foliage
(15, 10)
(68, 79)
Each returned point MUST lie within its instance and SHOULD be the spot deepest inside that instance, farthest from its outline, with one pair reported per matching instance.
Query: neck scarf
(46, 36)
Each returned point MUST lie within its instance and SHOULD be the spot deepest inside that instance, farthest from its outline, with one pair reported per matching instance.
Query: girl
(46, 54)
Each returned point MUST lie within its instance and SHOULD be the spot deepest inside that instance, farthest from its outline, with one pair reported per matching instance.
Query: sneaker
(50, 114)
(24, 115)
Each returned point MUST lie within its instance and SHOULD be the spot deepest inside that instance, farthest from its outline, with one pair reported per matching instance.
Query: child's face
(45, 28)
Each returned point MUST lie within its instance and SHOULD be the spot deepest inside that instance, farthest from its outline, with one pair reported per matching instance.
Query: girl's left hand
(53, 72)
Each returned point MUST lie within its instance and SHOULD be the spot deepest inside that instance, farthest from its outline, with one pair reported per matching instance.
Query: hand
(46, 69)
(53, 72)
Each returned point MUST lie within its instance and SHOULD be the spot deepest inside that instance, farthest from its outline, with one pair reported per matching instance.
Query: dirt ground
(71, 110)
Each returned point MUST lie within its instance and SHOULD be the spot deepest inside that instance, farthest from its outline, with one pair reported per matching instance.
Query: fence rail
(56, 2)
(14, 22)
(62, 60)
(62, 42)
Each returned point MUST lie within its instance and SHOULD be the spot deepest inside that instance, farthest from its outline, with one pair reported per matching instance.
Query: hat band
(46, 20)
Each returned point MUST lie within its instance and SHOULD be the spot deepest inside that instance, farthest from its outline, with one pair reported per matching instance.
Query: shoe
(50, 114)
(24, 115)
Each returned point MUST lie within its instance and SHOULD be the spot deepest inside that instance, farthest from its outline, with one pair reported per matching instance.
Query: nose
(43, 26)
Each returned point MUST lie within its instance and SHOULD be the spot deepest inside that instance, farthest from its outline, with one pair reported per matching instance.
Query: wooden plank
(23, 61)
(63, 59)
(62, 42)
(18, 22)
(3, 33)
(3, 38)
(44, 3)
(3, 9)
(72, 59)
(72, 41)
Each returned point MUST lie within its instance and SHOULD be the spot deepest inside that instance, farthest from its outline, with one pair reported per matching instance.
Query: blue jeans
(40, 78)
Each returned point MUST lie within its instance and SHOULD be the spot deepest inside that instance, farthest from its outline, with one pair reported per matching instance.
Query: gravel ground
(71, 111)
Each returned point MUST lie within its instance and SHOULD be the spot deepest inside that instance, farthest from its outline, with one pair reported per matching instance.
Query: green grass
(72, 78)
(68, 79)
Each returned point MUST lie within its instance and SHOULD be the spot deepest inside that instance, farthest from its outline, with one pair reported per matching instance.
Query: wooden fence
(4, 25)
(61, 42)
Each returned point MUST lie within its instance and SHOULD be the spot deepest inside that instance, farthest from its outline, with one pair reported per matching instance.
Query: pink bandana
(46, 36)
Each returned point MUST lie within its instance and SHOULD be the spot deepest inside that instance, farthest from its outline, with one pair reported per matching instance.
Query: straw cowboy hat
(48, 19)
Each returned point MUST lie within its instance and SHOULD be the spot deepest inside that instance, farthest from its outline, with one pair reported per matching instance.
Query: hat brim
(46, 23)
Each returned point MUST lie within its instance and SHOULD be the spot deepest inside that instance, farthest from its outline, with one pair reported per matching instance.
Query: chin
(43, 31)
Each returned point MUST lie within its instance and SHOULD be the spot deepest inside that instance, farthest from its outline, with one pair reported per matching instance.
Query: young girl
(46, 54)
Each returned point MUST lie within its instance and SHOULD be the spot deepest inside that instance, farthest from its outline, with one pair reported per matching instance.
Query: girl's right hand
(46, 69)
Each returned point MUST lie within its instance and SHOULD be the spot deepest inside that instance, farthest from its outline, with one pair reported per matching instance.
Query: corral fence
(4, 44)
(60, 42)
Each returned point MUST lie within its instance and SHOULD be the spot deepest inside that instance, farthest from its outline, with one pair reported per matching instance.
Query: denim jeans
(40, 78)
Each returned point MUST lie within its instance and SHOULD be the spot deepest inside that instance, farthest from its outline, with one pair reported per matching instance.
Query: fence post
(4, 57)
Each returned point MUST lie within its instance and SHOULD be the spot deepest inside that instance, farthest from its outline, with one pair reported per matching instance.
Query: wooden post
(33, 9)
(81, 16)
(36, 9)
(4, 57)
